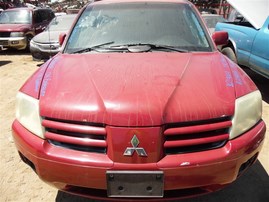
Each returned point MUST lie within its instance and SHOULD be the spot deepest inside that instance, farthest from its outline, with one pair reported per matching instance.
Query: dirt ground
(19, 183)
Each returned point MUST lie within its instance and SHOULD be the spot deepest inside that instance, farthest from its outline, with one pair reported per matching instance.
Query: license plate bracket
(135, 184)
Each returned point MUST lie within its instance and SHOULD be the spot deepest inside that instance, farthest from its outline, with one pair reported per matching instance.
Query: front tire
(229, 52)
(28, 39)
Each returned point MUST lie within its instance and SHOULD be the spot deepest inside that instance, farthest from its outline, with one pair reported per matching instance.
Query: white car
(211, 20)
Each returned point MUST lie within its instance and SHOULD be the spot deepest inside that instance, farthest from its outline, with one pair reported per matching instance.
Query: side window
(45, 15)
(51, 15)
(37, 17)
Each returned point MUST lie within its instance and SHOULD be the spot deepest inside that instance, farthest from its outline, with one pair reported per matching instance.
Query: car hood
(140, 89)
(13, 27)
(256, 12)
(47, 37)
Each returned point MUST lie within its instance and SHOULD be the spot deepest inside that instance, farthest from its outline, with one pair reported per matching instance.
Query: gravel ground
(19, 183)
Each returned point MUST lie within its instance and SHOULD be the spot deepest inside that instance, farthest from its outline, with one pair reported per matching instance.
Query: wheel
(229, 53)
(28, 39)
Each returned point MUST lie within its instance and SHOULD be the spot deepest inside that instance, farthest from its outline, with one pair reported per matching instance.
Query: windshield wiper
(151, 47)
(92, 48)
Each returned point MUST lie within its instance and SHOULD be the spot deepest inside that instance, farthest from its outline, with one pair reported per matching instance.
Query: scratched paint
(40, 76)
(38, 81)
(45, 84)
(228, 75)
(148, 89)
(48, 76)
(237, 77)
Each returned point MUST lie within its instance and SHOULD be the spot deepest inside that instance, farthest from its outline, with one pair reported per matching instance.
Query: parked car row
(46, 44)
(34, 29)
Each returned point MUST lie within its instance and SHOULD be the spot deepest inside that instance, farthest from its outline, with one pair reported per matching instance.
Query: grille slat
(75, 135)
(76, 140)
(197, 141)
(74, 127)
(197, 128)
(196, 136)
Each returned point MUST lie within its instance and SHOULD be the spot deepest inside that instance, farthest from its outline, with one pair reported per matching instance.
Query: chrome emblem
(139, 150)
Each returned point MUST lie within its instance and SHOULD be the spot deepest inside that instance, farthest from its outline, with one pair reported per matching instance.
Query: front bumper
(18, 43)
(85, 173)
(43, 51)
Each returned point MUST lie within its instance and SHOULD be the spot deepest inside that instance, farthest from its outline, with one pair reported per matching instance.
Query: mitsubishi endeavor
(139, 104)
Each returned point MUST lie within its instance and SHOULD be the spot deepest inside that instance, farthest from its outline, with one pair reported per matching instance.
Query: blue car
(249, 39)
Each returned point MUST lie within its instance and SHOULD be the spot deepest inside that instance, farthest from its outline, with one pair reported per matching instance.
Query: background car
(19, 25)
(46, 44)
(6, 5)
(211, 20)
(248, 43)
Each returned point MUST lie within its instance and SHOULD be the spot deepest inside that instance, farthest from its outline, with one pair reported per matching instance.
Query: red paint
(197, 128)
(119, 138)
(169, 101)
(220, 166)
(220, 38)
(145, 89)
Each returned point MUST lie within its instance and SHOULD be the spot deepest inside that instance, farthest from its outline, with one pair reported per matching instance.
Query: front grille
(4, 34)
(47, 46)
(76, 135)
(196, 136)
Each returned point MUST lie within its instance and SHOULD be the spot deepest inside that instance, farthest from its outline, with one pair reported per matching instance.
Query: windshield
(15, 17)
(61, 23)
(164, 24)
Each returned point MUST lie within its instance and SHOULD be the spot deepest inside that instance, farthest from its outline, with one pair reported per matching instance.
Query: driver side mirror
(62, 38)
(220, 38)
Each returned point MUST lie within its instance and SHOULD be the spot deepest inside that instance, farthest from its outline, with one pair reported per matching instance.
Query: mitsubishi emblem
(139, 150)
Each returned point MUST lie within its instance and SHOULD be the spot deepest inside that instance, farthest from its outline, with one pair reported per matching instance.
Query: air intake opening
(247, 164)
(27, 161)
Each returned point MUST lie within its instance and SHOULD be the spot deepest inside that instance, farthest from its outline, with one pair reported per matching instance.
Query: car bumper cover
(65, 168)
(43, 51)
(14, 42)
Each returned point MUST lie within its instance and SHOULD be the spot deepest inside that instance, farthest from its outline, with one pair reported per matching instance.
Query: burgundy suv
(19, 25)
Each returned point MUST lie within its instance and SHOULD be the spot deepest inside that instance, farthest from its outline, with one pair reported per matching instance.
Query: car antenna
(49, 42)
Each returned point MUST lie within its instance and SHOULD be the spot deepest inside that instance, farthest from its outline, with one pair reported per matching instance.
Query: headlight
(17, 34)
(27, 113)
(248, 111)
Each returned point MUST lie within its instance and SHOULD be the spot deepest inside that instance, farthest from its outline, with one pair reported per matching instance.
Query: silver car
(211, 20)
(46, 44)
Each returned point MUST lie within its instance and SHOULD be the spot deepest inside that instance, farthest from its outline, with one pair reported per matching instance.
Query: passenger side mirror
(62, 38)
(220, 37)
